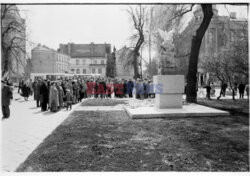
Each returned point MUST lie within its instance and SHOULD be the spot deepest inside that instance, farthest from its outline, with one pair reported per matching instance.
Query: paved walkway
(25, 130)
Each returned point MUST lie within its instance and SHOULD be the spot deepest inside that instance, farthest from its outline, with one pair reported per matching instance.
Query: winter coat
(6, 95)
(53, 98)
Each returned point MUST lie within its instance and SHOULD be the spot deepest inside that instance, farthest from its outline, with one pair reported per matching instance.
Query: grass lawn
(234, 106)
(111, 141)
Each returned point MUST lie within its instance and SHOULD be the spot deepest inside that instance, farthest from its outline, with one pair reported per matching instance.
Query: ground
(111, 141)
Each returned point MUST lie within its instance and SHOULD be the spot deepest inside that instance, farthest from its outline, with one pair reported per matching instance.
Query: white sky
(54, 24)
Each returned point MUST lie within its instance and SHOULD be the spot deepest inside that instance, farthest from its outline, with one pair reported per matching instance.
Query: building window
(78, 71)
(84, 61)
(95, 61)
(77, 62)
(102, 62)
(72, 70)
(84, 71)
(99, 70)
(93, 70)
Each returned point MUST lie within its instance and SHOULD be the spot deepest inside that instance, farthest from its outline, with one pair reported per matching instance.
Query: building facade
(222, 31)
(47, 60)
(87, 58)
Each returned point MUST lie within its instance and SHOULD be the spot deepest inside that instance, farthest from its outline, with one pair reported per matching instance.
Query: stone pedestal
(172, 90)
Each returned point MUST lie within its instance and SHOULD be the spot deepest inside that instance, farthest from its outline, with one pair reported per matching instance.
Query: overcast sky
(54, 24)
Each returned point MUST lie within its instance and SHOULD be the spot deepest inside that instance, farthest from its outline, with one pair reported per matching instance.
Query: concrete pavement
(26, 128)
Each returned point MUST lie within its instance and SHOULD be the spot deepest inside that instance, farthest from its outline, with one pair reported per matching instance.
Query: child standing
(69, 98)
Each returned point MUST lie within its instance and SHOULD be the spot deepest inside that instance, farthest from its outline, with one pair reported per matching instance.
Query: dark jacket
(6, 95)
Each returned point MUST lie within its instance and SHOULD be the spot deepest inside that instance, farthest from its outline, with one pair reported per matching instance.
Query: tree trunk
(194, 54)
(135, 66)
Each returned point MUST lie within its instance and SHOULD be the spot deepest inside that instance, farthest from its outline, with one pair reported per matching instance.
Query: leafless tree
(13, 38)
(231, 65)
(139, 17)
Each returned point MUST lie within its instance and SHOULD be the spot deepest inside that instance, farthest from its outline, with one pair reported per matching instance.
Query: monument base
(171, 95)
(164, 101)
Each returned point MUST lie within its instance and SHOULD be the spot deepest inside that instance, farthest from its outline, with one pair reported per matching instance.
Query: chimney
(233, 15)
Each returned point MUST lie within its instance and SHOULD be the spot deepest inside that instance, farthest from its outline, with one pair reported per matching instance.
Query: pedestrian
(141, 90)
(125, 92)
(36, 87)
(68, 98)
(30, 87)
(247, 90)
(109, 88)
(129, 88)
(26, 91)
(44, 95)
(75, 91)
(60, 94)
(20, 85)
(53, 98)
(7, 95)
(102, 88)
(146, 88)
(208, 89)
(241, 90)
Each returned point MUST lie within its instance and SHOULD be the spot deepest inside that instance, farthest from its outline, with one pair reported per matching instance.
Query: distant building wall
(46, 60)
(87, 58)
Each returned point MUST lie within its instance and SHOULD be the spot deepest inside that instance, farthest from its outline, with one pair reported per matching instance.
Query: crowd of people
(62, 93)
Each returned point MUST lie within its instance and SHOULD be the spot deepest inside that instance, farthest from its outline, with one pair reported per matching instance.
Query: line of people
(55, 95)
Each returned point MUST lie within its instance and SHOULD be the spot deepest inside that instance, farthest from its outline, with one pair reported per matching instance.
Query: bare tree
(231, 65)
(13, 39)
(139, 18)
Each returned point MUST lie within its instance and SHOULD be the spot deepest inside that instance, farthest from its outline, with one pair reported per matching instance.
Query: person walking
(241, 90)
(26, 91)
(247, 90)
(208, 89)
(7, 95)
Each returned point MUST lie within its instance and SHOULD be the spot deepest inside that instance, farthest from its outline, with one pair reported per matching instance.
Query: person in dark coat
(44, 95)
(26, 91)
(102, 88)
(7, 95)
(241, 89)
(208, 89)
(129, 88)
(36, 87)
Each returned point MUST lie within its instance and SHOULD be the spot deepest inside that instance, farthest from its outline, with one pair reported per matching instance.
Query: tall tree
(194, 54)
(139, 18)
(13, 39)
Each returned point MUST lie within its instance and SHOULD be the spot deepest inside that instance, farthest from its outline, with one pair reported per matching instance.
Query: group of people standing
(55, 95)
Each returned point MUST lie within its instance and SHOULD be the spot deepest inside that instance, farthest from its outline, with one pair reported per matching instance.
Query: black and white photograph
(124, 86)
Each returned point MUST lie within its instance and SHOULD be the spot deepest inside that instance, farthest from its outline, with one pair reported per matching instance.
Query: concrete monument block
(173, 88)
